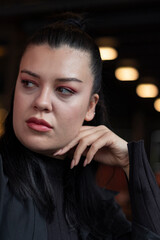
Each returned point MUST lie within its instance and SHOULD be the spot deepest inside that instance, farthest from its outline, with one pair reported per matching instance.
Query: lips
(38, 124)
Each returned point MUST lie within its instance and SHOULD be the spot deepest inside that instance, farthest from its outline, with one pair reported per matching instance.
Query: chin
(41, 149)
(38, 146)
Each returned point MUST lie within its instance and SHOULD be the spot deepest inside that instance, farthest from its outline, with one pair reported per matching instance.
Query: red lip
(38, 124)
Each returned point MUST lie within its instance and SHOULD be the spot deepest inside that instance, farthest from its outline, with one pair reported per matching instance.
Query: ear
(91, 108)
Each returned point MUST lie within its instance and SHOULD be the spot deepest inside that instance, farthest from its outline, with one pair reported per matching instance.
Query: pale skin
(99, 144)
(58, 89)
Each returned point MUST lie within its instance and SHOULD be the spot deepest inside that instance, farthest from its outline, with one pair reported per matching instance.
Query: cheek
(74, 115)
(77, 109)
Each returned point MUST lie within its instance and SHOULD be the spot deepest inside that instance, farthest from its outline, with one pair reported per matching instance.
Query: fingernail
(85, 162)
(72, 163)
(58, 152)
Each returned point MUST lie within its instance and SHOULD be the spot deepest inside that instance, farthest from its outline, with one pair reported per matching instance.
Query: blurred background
(128, 34)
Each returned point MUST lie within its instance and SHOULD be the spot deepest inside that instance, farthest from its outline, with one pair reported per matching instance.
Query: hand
(98, 143)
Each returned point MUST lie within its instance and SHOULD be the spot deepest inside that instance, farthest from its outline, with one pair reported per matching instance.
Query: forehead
(63, 55)
(64, 61)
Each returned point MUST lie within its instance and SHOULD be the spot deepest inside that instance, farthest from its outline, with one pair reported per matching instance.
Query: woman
(54, 138)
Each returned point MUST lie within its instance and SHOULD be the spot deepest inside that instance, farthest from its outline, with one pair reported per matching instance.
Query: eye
(28, 84)
(65, 91)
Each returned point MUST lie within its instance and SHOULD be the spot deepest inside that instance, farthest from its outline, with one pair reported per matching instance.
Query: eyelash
(69, 90)
(25, 82)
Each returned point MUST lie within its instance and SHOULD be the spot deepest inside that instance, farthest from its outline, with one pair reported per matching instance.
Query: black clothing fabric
(144, 192)
(22, 221)
(58, 227)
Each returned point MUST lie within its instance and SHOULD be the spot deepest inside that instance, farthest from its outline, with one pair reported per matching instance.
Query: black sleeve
(144, 194)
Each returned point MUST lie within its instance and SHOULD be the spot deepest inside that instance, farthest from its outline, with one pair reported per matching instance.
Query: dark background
(134, 24)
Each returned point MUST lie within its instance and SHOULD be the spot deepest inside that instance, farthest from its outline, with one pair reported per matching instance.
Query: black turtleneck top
(21, 220)
(144, 193)
(58, 229)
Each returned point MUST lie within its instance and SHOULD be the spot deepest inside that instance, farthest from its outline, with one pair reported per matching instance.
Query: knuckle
(83, 141)
(102, 127)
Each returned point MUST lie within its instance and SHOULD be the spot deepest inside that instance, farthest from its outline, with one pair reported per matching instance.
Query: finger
(84, 152)
(69, 146)
(85, 143)
(85, 127)
(84, 132)
(72, 164)
(104, 140)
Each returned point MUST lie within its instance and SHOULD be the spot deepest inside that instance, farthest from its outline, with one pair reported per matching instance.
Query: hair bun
(73, 19)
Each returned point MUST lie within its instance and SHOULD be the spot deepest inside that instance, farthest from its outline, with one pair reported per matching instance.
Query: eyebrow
(68, 80)
(58, 79)
(30, 73)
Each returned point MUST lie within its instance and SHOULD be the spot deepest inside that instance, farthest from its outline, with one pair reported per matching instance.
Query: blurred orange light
(108, 53)
(126, 73)
(147, 90)
(157, 104)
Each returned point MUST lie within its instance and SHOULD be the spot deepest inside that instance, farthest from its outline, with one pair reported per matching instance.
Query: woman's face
(52, 97)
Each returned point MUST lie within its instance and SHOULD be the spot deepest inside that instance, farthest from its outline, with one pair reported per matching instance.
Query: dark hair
(26, 170)
(69, 31)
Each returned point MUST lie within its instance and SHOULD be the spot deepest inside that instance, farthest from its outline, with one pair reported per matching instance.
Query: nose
(43, 101)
